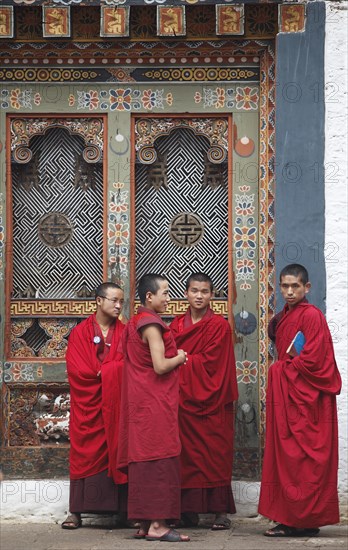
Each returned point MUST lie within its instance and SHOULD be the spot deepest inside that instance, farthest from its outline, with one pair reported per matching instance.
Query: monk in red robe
(149, 433)
(94, 364)
(208, 388)
(299, 477)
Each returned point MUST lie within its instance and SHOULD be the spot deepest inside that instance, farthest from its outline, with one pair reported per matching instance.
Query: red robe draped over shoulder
(299, 476)
(95, 392)
(208, 387)
(149, 407)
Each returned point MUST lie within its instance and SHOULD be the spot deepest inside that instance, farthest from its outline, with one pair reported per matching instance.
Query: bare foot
(158, 528)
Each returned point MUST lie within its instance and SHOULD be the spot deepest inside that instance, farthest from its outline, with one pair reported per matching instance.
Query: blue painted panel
(300, 200)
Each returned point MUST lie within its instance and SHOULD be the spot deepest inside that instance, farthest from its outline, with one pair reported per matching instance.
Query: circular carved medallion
(55, 229)
(186, 229)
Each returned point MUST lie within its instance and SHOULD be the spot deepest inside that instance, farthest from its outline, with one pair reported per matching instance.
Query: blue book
(297, 344)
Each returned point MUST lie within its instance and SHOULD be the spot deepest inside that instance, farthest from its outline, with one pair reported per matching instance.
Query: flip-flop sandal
(138, 535)
(71, 522)
(221, 524)
(170, 536)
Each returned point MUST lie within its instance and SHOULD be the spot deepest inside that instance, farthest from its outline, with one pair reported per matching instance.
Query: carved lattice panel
(182, 226)
(57, 219)
(44, 338)
(38, 416)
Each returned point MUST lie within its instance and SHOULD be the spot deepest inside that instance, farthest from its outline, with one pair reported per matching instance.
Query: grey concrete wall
(300, 120)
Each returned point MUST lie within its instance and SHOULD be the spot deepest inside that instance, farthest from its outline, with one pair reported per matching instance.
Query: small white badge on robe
(97, 339)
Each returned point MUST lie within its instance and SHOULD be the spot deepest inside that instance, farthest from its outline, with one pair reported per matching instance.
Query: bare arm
(152, 335)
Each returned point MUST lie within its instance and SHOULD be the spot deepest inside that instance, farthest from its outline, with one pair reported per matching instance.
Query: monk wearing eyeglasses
(94, 365)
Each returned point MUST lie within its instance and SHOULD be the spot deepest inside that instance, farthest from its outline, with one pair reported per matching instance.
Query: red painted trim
(132, 288)
(105, 197)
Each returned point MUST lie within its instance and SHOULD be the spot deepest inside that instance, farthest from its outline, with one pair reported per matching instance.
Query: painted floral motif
(246, 372)
(245, 205)
(245, 234)
(213, 98)
(244, 188)
(152, 99)
(169, 99)
(136, 99)
(118, 185)
(229, 98)
(198, 97)
(88, 100)
(245, 269)
(118, 208)
(37, 98)
(120, 99)
(18, 99)
(19, 372)
(118, 233)
(15, 98)
(247, 98)
(243, 98)
(4, 95)
(118, 200)
(245, 286)
(245, 237)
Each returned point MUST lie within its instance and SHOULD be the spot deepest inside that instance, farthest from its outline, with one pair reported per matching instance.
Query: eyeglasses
(114, 300)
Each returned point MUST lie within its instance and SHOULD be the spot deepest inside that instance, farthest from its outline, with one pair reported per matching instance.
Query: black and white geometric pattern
(155, 209)
(57, 273)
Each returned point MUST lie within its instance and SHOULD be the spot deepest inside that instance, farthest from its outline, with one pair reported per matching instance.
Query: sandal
(72, 522)
(142, 531)
(138, 535)
(221, 523)
(282, 530)
(169, 536)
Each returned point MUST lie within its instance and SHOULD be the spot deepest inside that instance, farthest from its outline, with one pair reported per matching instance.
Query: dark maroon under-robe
(208, 388)
(149, 444)
(94, 368)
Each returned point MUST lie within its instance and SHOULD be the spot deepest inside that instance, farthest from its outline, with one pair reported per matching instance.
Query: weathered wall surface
(336, 107)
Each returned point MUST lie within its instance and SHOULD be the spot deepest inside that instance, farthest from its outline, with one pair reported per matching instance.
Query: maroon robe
(149, 433)
(94, 367)
(208, 387)
(299, 477)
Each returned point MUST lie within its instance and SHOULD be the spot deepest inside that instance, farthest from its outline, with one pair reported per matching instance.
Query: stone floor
(245, 534)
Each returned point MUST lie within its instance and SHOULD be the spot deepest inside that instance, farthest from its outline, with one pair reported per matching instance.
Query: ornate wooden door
(55, 261)
(182, 190)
